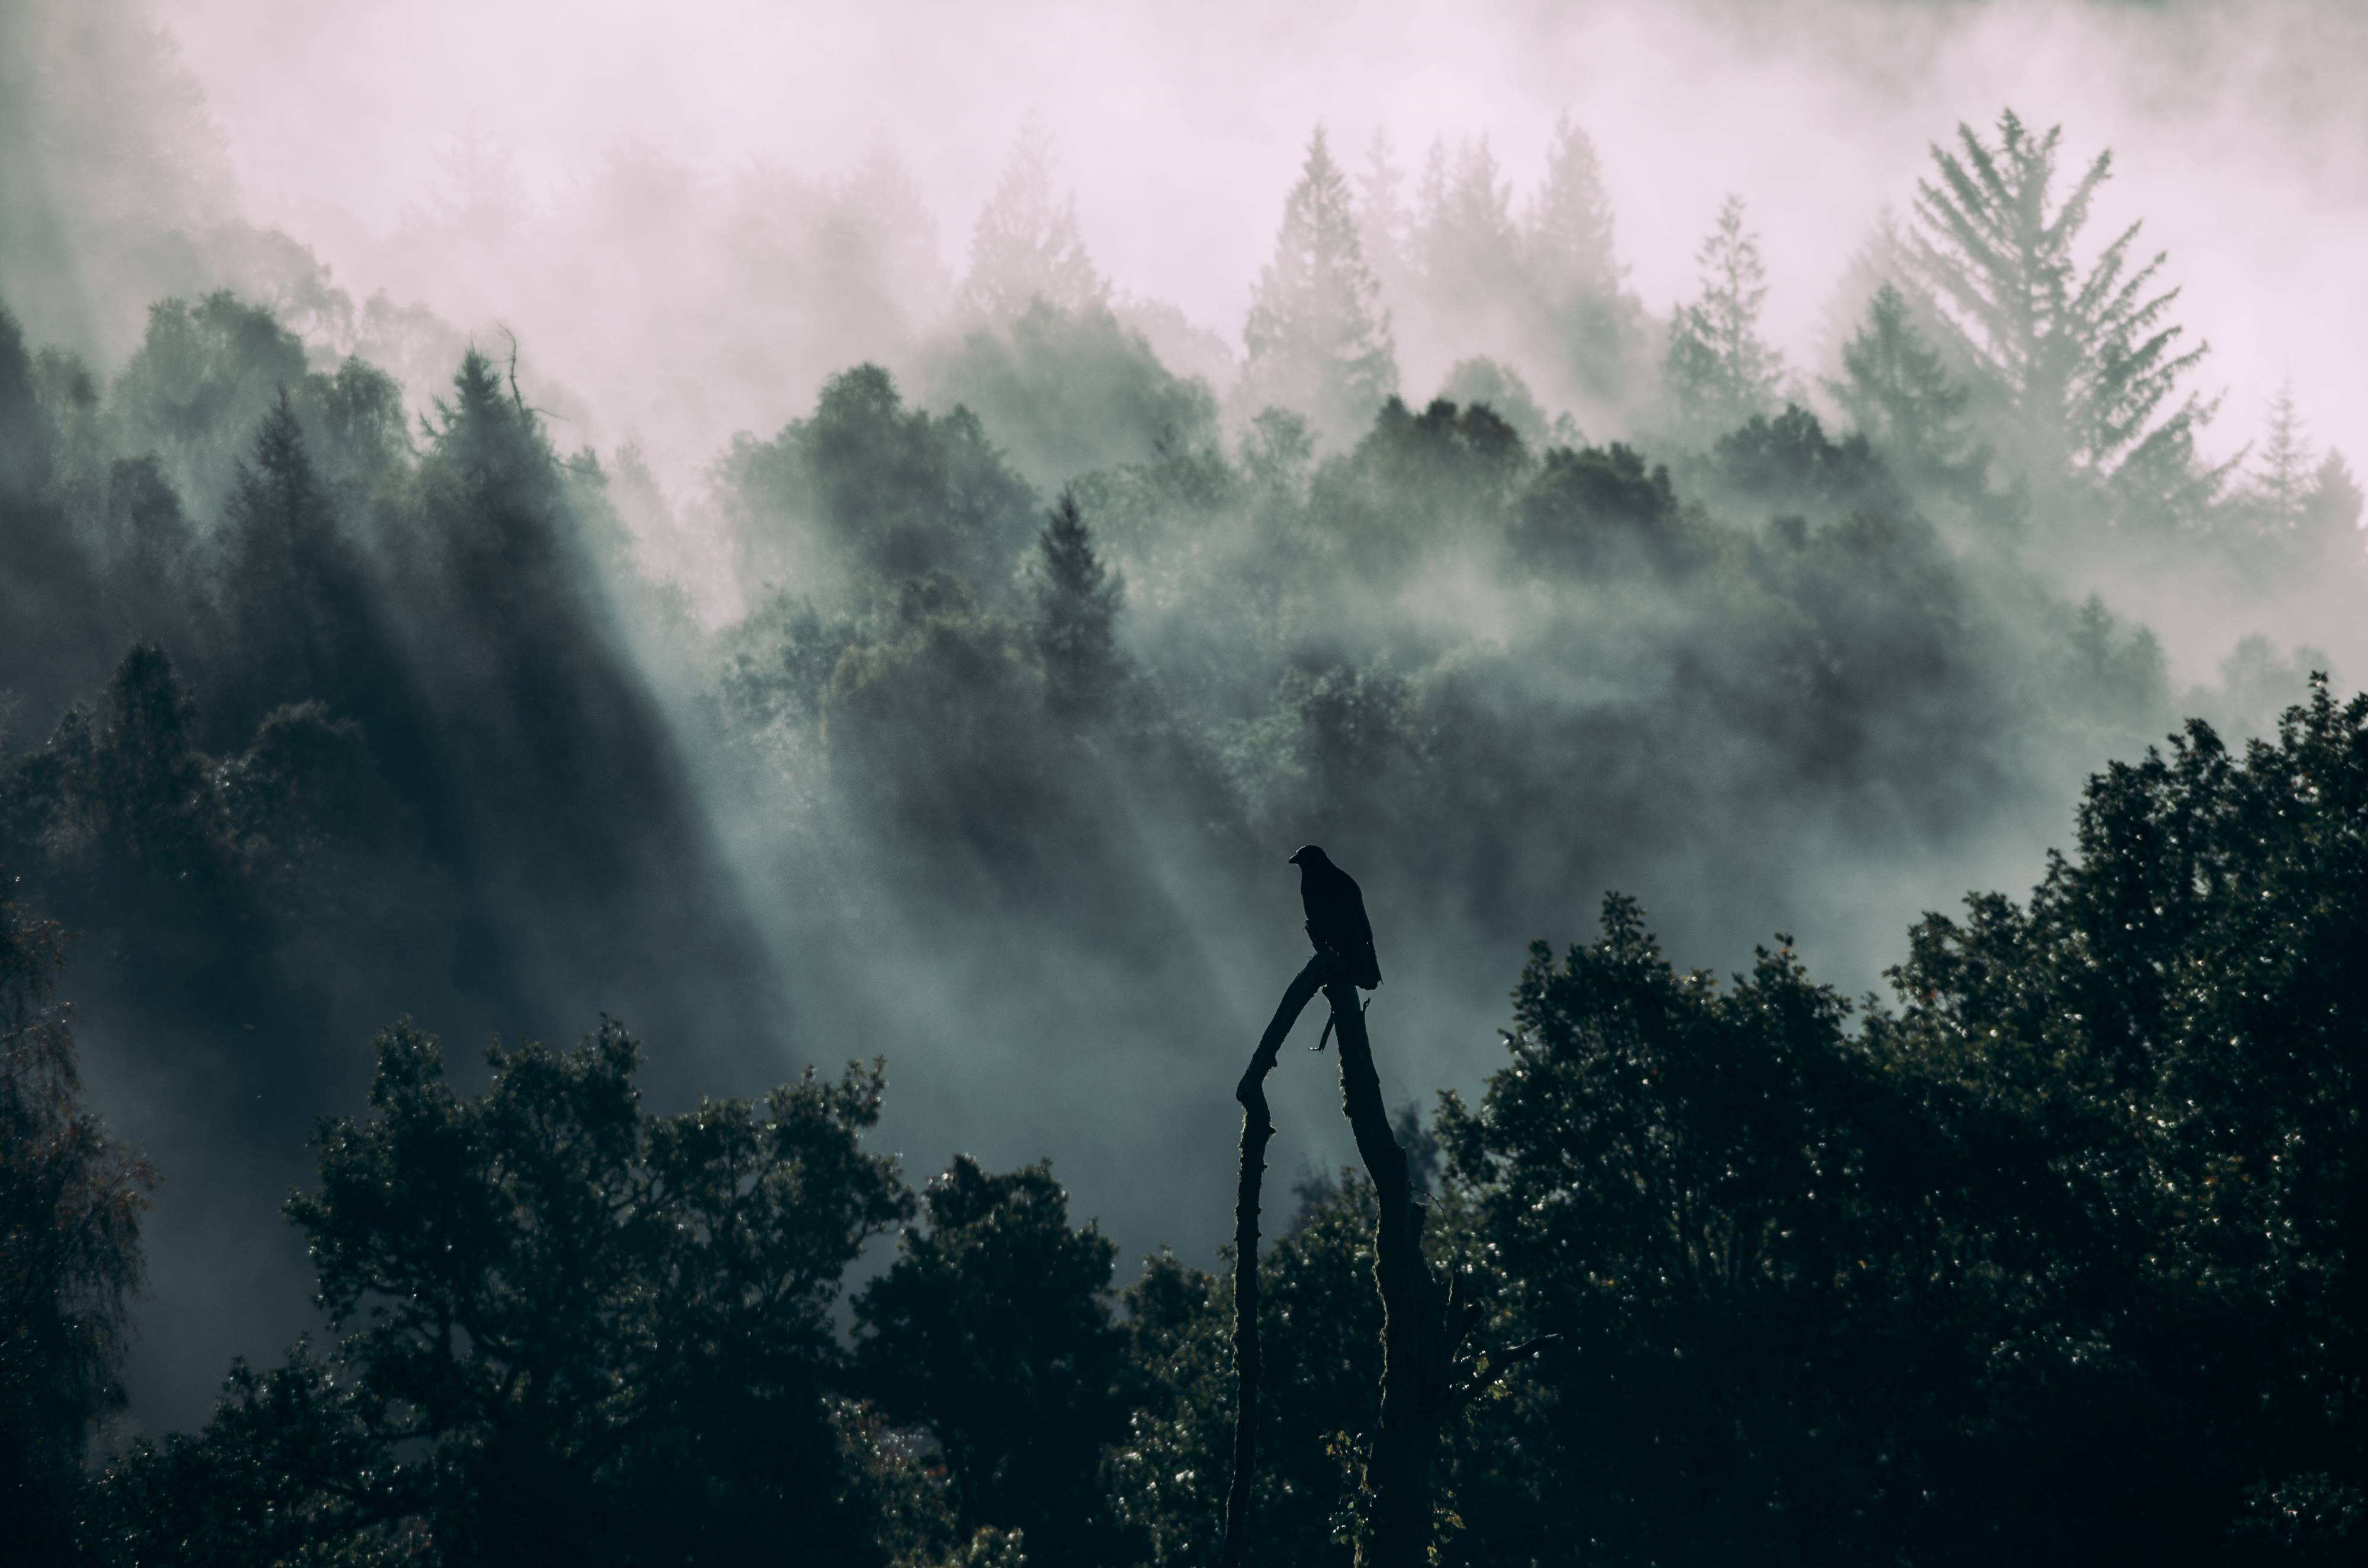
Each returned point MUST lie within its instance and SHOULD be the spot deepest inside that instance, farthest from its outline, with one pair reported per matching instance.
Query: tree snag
(1425, 1380)
(1256, 1127)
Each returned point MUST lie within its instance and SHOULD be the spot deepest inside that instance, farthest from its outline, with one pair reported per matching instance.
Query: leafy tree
(1026, 245)
(579, 1333)
(1077, 602)
(70, 1203)
(1500, 390)
(1718, 370)
(1670, 1172)
(898, 492)
(1318, 338)
(1600, 509)
(293, 1467)
(992, 1328)
(1418, 485)
(2085, 358)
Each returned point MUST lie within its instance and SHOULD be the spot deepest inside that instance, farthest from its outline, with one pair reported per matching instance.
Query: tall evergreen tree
(1077, 601)
(1720, 371)
(2084, 358)
(2332, 513)
(1317, 337)
(1568, 230)
(1899, 393)
(1573, 268)
(70, 1202)
(1382, 219)
(1467, 244)
(294, 600)
(1027, 245)
(2284, 468)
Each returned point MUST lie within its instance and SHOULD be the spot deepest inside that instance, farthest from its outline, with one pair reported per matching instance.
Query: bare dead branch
(1258, 1126)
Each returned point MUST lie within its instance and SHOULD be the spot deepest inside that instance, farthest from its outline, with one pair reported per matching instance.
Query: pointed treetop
(1027, 245)
(1318, 339)
(1720, 371)
(1568, 227)
(2086, 355)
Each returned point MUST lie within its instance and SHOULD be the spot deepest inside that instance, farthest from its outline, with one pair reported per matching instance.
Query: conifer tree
(1026, 245)
(70, 1203)
(2330, 515)
(1317, 337)
(2285, 470)
(1720, 372)
(1574, 270)
(1898, 391)
(1383, 220)
(1569, 228)
(1077, 601)
(2085, 359)
(1467, 244)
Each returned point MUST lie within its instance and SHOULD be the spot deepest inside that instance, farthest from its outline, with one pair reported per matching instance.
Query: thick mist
(668, 664)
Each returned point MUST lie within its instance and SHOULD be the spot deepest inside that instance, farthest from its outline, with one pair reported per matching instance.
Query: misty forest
(581, 997)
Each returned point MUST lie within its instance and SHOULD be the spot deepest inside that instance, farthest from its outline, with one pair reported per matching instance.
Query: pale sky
(2237, 129)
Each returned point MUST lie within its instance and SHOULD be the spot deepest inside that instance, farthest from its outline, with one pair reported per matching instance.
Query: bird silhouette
(1336, 916)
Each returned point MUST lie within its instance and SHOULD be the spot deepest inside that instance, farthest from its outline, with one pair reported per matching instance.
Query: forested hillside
(964, 720)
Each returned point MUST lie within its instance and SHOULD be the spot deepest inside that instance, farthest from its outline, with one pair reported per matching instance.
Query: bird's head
(1310, 855)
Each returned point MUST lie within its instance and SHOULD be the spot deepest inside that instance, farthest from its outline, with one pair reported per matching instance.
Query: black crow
(1336, 916)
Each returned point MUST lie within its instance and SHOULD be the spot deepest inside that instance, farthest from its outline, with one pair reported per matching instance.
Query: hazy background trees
(960, 709)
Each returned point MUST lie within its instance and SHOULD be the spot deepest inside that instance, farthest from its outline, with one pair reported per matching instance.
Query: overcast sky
(2237, 129)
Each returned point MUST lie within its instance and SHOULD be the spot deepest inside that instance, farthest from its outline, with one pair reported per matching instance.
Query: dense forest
(348, 706)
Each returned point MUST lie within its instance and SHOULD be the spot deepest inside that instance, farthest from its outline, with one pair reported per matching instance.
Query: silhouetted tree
(579, 1333)
(1574, 269)
(70, 1203)
(993, 1329)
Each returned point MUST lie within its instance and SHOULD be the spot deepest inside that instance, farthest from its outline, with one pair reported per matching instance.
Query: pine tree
(1898, 391)
(2085, 359)
(2285, 470)
(1569, 232)
(1574, 272)
(1720, 372)
(1466, 241)
(1383, 223)
(2331, 513)
(1318, 338)
(1027, 245)
(1077, 601)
